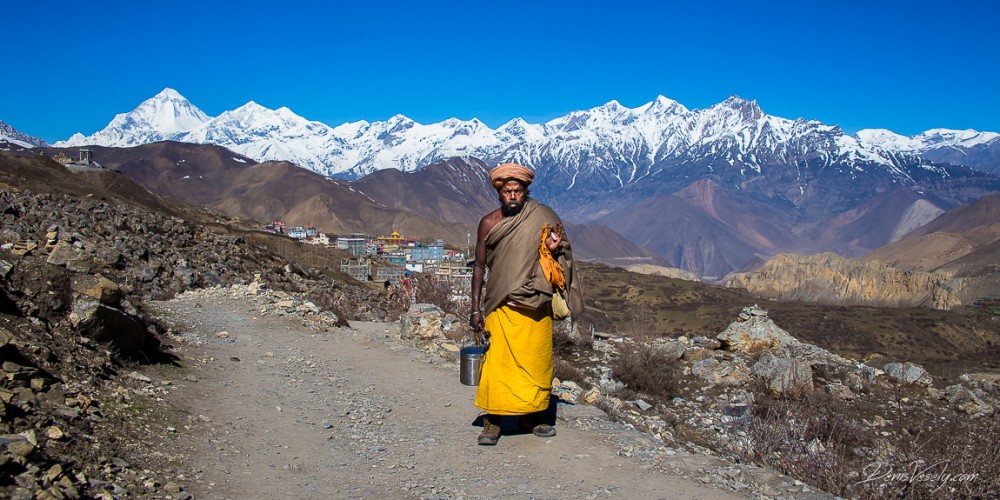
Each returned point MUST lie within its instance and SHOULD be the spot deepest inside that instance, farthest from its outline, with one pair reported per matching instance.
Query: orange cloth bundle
(553, 271)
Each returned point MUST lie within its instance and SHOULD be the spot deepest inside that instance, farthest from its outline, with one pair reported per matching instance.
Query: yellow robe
(517, 369)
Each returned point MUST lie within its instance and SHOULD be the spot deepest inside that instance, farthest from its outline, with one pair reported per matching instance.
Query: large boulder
(910, 373)
(758, 333)
(98, 287)
(423, 322)
(72, 258)
(965, 400)
(723, 373)
(121, 331)
(671, 350)
(784, 375)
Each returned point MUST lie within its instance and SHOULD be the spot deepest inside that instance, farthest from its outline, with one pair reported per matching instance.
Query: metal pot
(471, 362)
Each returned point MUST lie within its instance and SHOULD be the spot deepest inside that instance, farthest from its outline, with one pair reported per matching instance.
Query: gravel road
(272, 405)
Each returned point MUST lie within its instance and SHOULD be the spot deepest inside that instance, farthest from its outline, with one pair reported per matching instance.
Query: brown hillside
(215, 177)
(42, 174)
(452, 190)
(874, 223)
(444, 200)
(958, 240)
(710, 231)
(947, 342)
(983, 211)
(949, 262)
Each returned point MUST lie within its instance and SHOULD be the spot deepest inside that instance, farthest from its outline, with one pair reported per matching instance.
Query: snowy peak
(747, 110)
(11, 135)
(965, 138)
(165, 116)
(887, 139)
(662, 106)
(266, 134)
(925, 141)
(169, 94)
(609, 145)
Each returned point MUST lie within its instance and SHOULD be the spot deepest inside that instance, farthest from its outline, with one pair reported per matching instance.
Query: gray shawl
(512, 260)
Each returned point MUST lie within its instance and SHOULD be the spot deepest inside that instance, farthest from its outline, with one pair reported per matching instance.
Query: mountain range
(11, 136)
(443, 200)
(706, 190)
(660, 128)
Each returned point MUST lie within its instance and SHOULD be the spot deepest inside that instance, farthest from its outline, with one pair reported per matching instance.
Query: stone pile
(427, 322)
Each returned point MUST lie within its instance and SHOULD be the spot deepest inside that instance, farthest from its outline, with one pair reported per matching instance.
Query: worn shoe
(543, 430)
(491, 431)
(531, 423)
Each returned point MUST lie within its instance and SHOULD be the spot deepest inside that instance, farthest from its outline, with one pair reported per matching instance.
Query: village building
(320, 239)
(394, 239)
(432, 252)
(395, 258)
(354, 245)
(276, 227)
(359, 269)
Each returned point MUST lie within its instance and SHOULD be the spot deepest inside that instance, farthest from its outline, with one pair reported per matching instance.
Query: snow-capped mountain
(11, 135)
(269, 135)
(609, 145)
(925, 141)
(979, 150)
(165, 116)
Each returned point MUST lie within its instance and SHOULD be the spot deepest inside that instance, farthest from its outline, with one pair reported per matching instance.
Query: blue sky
(906, 66)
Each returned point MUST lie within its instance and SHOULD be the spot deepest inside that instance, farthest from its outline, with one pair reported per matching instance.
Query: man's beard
(512, 208)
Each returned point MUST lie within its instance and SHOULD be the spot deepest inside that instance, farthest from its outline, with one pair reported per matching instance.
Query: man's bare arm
(476, 319)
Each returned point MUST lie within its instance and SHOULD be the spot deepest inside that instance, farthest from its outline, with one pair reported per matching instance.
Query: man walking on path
(516, 310)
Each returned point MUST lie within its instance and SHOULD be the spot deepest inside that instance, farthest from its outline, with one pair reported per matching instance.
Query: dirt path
(278, 407)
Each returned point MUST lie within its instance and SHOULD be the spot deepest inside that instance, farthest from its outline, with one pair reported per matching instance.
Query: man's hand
(476, 322)
(556, 235)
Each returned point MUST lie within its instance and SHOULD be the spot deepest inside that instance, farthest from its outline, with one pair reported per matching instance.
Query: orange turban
(510, 172)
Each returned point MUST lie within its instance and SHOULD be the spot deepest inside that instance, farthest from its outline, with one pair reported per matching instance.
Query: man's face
(512, 197)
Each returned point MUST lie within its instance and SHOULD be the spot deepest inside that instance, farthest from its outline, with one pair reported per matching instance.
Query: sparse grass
(916, 452)
(645, 371)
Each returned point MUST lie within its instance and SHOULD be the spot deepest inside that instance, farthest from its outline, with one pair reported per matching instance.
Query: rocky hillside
(80, 254)
(830, 279)
(945, 263)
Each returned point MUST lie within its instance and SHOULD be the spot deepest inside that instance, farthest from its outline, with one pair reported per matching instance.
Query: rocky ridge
(831, 279)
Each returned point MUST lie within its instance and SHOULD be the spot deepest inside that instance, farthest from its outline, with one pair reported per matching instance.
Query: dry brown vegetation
(646, 306)
(914, 452)
(646, 373)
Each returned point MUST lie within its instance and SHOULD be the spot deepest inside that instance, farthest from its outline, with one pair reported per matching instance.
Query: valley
(87, 254)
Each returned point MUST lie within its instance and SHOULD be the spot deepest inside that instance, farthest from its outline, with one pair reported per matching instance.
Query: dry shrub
(810, 439)
(642, 322)
(821, 441)
(429, 290)
(647, 371)
(564, 370)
